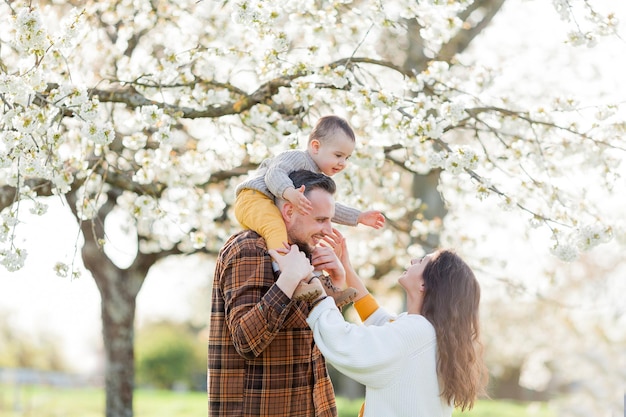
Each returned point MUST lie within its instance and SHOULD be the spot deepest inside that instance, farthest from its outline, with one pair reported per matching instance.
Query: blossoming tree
(150, 112)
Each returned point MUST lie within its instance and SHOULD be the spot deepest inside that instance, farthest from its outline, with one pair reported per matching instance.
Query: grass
(89, 402)
(507, 409)
(350, 408)
(27, 401)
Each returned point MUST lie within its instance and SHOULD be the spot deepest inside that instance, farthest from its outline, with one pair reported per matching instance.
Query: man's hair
(328, 125)
(312, 180)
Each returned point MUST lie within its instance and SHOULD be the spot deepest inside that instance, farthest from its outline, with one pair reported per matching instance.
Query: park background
(525, 40)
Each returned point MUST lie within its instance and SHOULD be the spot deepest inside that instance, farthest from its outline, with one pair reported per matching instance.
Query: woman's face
(412, 280)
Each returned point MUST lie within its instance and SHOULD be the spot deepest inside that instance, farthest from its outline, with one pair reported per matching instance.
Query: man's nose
(327, 228)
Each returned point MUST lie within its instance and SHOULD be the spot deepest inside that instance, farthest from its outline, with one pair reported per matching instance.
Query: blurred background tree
(170, 356)
(19, 349)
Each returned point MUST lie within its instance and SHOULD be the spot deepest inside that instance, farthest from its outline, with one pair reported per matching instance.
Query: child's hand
(372, 218)
(298, 199)
(284, 250)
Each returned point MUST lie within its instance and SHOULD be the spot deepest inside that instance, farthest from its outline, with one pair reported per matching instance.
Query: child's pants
(256, 211)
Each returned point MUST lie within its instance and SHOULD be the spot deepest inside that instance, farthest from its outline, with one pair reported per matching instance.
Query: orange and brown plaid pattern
(262, 359)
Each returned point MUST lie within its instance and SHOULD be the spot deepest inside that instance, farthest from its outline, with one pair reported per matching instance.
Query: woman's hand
(337, 242)
(324, 258)
(328, 257)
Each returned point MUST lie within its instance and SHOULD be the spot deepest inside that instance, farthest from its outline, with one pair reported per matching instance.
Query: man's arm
(256, 306)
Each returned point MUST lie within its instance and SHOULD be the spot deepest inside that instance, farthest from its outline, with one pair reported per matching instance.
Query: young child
(330, 145)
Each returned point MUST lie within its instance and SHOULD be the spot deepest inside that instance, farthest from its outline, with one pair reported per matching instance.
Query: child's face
(332, 155)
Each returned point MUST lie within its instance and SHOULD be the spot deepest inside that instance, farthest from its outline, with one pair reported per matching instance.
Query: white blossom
(39, 208)
(452, 112)
(482, 190)
(198, 240)
(144, 175)
(429, 127)
(89, 109)
(13, 259)
(590, 236)
(135, 141)
(436, 159)
(9, 139)
(28, 121)
(604, 112)
(9, 220)
(100, 133)
(61, 269)
(152, 116)
(145, 207)
(565, 252)
(30, 34)
(73, 25)
(63, 181)
(460, 159)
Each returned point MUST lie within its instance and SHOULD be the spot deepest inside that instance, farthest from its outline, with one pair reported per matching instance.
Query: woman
(423, 362)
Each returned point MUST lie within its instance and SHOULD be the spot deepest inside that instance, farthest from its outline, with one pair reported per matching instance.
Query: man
(262, 358)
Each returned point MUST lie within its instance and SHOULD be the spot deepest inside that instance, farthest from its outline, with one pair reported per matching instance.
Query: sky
(35, 300)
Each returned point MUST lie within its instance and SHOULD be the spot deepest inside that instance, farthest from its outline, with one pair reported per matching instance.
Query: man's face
(308, 230)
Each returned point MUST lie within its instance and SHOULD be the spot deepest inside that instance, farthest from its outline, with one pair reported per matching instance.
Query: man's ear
(287, 210)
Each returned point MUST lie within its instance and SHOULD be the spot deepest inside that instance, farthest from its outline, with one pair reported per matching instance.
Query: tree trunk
(425, 186)
(118, 319)
(118, 291)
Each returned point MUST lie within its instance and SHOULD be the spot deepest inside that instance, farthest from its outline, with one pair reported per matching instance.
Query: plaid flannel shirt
(262, 359)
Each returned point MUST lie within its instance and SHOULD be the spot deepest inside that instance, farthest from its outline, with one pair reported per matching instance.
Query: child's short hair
(327, 125)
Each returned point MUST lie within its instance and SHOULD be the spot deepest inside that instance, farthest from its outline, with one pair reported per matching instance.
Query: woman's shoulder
(416, 319)
(416, 326)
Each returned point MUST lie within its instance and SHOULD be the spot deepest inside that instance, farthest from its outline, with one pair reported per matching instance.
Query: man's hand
(294, 267)
(372, 218)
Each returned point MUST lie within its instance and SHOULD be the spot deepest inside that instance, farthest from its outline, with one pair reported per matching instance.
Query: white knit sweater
(394, 357)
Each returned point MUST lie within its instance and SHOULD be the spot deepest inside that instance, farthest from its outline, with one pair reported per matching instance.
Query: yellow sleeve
(366, 306)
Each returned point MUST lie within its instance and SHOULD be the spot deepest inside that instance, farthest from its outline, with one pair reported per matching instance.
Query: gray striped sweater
(272, 179)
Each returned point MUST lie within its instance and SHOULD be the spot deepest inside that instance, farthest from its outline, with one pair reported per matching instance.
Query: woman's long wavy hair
(451, 299)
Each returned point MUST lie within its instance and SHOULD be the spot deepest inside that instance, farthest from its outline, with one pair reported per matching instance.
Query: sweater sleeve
(368, 354)
(277, 174)
(345, 215)
(366, 306)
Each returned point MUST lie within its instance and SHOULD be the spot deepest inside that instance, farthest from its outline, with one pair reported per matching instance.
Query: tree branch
(8, 194)
(465, 36)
